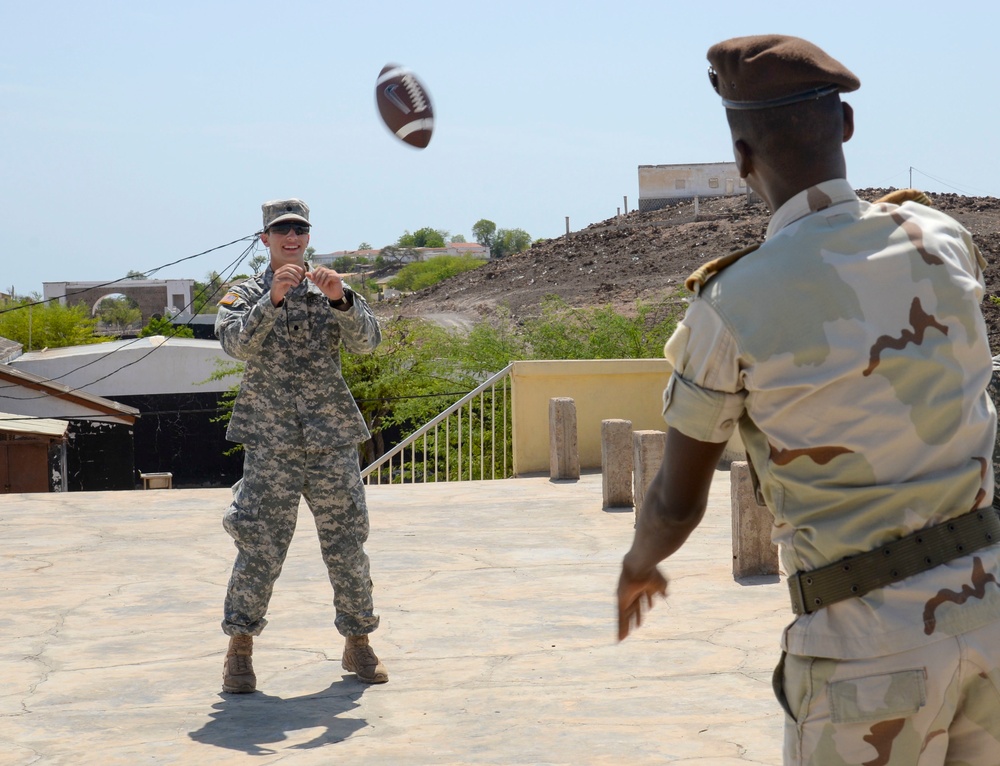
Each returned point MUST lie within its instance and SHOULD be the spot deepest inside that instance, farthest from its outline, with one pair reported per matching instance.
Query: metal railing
(449, 448)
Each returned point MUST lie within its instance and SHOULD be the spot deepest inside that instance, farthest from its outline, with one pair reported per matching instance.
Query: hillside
(647, 256)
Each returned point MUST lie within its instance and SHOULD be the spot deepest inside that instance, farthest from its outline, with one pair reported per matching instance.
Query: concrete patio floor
(497, 608)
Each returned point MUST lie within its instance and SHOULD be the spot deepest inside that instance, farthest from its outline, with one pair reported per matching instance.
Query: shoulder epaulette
(900, 196)
(700, 276)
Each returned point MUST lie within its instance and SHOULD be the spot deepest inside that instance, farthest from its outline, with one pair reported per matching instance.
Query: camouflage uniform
(300, 428)
(852, 352)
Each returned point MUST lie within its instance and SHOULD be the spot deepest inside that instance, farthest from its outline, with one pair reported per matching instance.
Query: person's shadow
(250, 722)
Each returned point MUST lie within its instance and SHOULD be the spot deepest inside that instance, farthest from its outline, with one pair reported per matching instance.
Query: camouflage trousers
(936, 705)
(261, 521)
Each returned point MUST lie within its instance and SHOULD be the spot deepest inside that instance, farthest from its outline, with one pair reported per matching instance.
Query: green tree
(135, 275)
(391, 255)
(344, 263)
(417, 276)
(485, 232)
(491, 344)
(207, 294)
(600, 332)
(425, 237)
(404, 381)
(258, 263)
(510, 241)
(119, 313)
(158, 325)
(457, 239)
(365, 246)
(47, 325)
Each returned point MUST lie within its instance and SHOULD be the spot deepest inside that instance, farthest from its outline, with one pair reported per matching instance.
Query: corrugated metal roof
(23, 424)
(132, 345)
(53, 388)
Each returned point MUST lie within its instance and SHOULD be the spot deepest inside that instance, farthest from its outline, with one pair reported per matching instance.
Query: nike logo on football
(390, 93)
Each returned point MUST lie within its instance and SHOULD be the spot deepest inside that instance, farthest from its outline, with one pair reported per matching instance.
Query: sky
(138, 134)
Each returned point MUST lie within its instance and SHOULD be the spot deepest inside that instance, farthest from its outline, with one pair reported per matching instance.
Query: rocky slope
(647, 256)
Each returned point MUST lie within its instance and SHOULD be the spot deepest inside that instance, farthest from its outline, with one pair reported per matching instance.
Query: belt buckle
(796, 594)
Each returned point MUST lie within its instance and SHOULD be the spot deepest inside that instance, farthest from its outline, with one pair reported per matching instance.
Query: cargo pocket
(877, 697)
(239, 515)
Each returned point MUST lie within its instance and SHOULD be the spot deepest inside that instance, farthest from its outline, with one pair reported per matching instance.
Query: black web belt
(917, 552)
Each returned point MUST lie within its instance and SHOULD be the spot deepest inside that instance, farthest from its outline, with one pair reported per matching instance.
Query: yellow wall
(629, 389)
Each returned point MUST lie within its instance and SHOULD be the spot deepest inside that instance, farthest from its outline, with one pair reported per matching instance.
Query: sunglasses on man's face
(282, 229)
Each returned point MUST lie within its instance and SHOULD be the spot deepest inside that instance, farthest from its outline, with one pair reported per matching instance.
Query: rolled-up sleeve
(704, 397)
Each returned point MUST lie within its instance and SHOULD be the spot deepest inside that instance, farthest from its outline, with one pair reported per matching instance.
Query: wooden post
(753, 551)
(564, 454)
(648, 449)
(616, 463)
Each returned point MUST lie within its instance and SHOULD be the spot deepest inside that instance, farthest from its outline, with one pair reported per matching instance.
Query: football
(404, 105)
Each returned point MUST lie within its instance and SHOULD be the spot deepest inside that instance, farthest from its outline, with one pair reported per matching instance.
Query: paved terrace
(497, 630)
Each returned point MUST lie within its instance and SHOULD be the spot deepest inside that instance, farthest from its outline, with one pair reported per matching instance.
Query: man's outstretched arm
(673, 507)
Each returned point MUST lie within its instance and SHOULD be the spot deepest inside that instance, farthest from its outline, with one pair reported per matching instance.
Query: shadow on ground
(252, 722)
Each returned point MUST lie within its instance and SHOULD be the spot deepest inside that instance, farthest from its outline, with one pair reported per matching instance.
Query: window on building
(743, 183)
(713, 183)
(680, 183)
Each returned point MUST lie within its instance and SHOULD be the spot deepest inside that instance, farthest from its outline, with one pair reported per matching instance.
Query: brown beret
(766, 71)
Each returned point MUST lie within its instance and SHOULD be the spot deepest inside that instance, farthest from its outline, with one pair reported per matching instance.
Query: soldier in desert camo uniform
(851, 351)
(300, 427)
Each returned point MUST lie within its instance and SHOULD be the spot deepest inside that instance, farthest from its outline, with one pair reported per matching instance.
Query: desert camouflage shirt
(292, 388)
(852, 351)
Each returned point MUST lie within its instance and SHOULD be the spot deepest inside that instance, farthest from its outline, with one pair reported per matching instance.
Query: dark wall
(175, 433)
(99, 456)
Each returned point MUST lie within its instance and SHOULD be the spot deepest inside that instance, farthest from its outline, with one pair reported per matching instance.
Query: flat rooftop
(498, 631)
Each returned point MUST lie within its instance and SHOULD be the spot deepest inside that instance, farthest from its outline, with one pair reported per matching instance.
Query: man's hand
(285, 278)
(671, 510)
(635, 596)
(329, 281)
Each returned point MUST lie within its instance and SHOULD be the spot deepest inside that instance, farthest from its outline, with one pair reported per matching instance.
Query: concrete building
(663, 185)
(165, 297)
(166, 381)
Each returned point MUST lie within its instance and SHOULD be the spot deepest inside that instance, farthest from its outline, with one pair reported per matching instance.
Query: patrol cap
(280, 210)
(765, 71)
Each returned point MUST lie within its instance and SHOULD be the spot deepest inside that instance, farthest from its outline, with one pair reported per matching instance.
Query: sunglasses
(283, 229)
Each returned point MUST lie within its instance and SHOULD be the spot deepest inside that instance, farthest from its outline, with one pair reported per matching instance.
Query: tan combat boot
(361, 660)
(237, 673)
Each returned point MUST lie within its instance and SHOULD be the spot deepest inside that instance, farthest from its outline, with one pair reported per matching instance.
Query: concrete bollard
(564, 454)
(616, 463)
(753, 551)
(648, 448)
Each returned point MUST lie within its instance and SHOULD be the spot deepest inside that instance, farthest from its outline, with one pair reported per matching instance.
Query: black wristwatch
(340, 302)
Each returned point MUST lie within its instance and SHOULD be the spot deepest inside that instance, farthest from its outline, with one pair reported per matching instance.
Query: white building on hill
(662, 185)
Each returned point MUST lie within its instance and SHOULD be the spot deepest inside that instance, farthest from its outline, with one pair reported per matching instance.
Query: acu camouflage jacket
(293, 390)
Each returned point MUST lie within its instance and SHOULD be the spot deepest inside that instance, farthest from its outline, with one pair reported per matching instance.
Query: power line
(231, 267)
(42, 302)
(943, 182)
